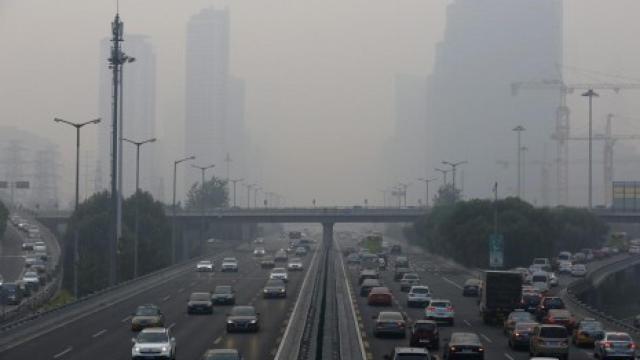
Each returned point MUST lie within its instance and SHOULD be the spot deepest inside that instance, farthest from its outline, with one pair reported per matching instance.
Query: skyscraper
(207, 90)
(487, 45)
(139, 112)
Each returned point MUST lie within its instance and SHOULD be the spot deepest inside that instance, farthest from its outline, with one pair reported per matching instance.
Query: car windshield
(465, 339)
(205, 262)
(229, 260)
(390, 316)
(520, 315)
(539, 278)
(425, 326)
(591, 326)
(153, 337)
(553, 302)
(412, 357)
(243, 311)
(618, 337)
(420, 290)
(553, 332)
(440, 304)
(274, 283)
(223, 289)
(147, 311)
(411, 276)
(524, 327)
(200, 296)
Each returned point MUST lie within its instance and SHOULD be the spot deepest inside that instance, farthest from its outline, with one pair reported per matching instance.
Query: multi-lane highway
(11, 255)
(106, 334)
(445, 282)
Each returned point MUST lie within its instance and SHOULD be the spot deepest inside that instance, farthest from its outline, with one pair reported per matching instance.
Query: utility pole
(444, 175)
(384, 197)
(453, 169)
(590, 94)
(228, 161)
(235, 181)
(426, 196)
(249, 187)
(202, 199)
(519, 129)
(255, 196)
(173, 207)
(76, 235)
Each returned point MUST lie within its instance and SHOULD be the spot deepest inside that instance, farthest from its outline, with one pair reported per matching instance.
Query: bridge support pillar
(327, 234)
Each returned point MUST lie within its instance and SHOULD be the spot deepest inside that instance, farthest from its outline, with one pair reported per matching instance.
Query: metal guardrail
(582, 285)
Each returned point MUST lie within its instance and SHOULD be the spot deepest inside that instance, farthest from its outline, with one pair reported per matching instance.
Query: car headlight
(136, 349)
(164, 349)
(254, 321)
(282, 290)
(265, 291)
(229, 321)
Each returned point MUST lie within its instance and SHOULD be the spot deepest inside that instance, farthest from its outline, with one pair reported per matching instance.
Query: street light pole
(590, 94)
(519, 129)
(138, 144)
(453, 169)
(444, 175)
(78, 126)
(255, 196)
(173, 206)
(234, 181)
(249, 187)
(202, 201)
(426, 182)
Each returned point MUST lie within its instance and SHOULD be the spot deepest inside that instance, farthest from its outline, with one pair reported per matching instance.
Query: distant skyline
(318, 80)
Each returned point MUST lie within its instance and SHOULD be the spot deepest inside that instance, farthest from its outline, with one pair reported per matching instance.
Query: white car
(553, 280)
(540, 280)
(31, 277)
(259, 251)
(204, 266)
(279, 274)
(419, 295)
(578, 270)
(634, 249)
(40, 246)
(154, 343)
(564, 267)
(295, 264)
(440, 310)
(258, 241)
(229, 264)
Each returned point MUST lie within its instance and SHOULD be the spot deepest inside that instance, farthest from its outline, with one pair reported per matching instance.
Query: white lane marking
(99, 333)
(486, 338)
(508, 356)
(126, 319)
(217, 341)
(468, 323)
(166, 298)
(63, 353)
(171, 326)
(452, 282)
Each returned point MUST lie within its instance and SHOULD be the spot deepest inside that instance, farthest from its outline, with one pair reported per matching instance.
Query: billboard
(496, 251)
(626, 195)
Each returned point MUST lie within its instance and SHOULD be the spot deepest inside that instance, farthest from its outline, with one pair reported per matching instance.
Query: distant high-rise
(139, 112)
(488, 45)
(207, 90)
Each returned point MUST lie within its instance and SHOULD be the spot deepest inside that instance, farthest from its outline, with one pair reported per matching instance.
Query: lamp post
(202, 169)
(519, 129)
(453, 170)
(78, 126)
(426, 182)
(235, 181)
(590, 94)
(249, 187)
(138, 144)
(173, 206)
(444, 175)
(255, 196)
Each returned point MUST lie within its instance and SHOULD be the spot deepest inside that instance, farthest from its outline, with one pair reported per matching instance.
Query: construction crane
(609, 142)
(562, 129)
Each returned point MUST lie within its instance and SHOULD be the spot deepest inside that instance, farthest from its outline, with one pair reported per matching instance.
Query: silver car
(615, 345)
(154, 343)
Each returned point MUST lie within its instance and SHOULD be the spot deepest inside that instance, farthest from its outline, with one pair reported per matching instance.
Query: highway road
(11, 256)
(445, 283)
(106, 334)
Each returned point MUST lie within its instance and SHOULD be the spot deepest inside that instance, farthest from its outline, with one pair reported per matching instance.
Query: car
(586, 332)
(578, 270)
(40, 246)
(29, 261)
(259, 252)
(560, 317)
(424, 333)
(540, 280)
(395, 249)
(530, 301)
(267, 262)
(41, 255)
(221, 354)
(634, 249)
(31, 278)
(295, 264)
(418, 296)
(553, 280)
(367, 285)
(154, 343)
(27, 245)
(353, 259)
(588, 253)
(472, 287)
(145, 316)
(440, 310)
(579, 258)
(549, 340)
(367, 274)
(281, 256)
(243, 318)
(11, 294)
(223, 295)
(408, 280)
(274, 288)
(463, 345)
(547, 303)
(279, 274)
(564, 267)
(515, 317)
(399, 273)
(390, 323)
(615, 345)
(229, 264)
(401, 262)
(520, 334)
(563, 256)
(301, 251)
(258, 241)
(204, 266)
(409, 353)
(200, 302)
(379, 296)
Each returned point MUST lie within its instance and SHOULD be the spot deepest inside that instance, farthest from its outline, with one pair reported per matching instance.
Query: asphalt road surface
(106, 334)
(11, 257)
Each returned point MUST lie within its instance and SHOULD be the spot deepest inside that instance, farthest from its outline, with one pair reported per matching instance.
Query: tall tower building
(487, 45)
(207, 91)
(139, 112)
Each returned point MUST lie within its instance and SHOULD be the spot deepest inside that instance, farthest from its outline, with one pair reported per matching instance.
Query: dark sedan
(424, 333)
(472, 287)
(463, 346)
(390, 323)
(223, 295)
(520, 334)
(367, 285)
(243, 318)
(200, 303)
(275, 288)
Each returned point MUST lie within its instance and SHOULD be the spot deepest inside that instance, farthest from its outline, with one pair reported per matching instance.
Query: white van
(540, 280)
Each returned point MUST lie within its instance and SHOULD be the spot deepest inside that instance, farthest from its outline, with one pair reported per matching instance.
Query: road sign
(496, 251)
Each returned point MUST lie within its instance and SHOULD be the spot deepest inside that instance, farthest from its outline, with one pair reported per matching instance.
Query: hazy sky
(319, 74)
